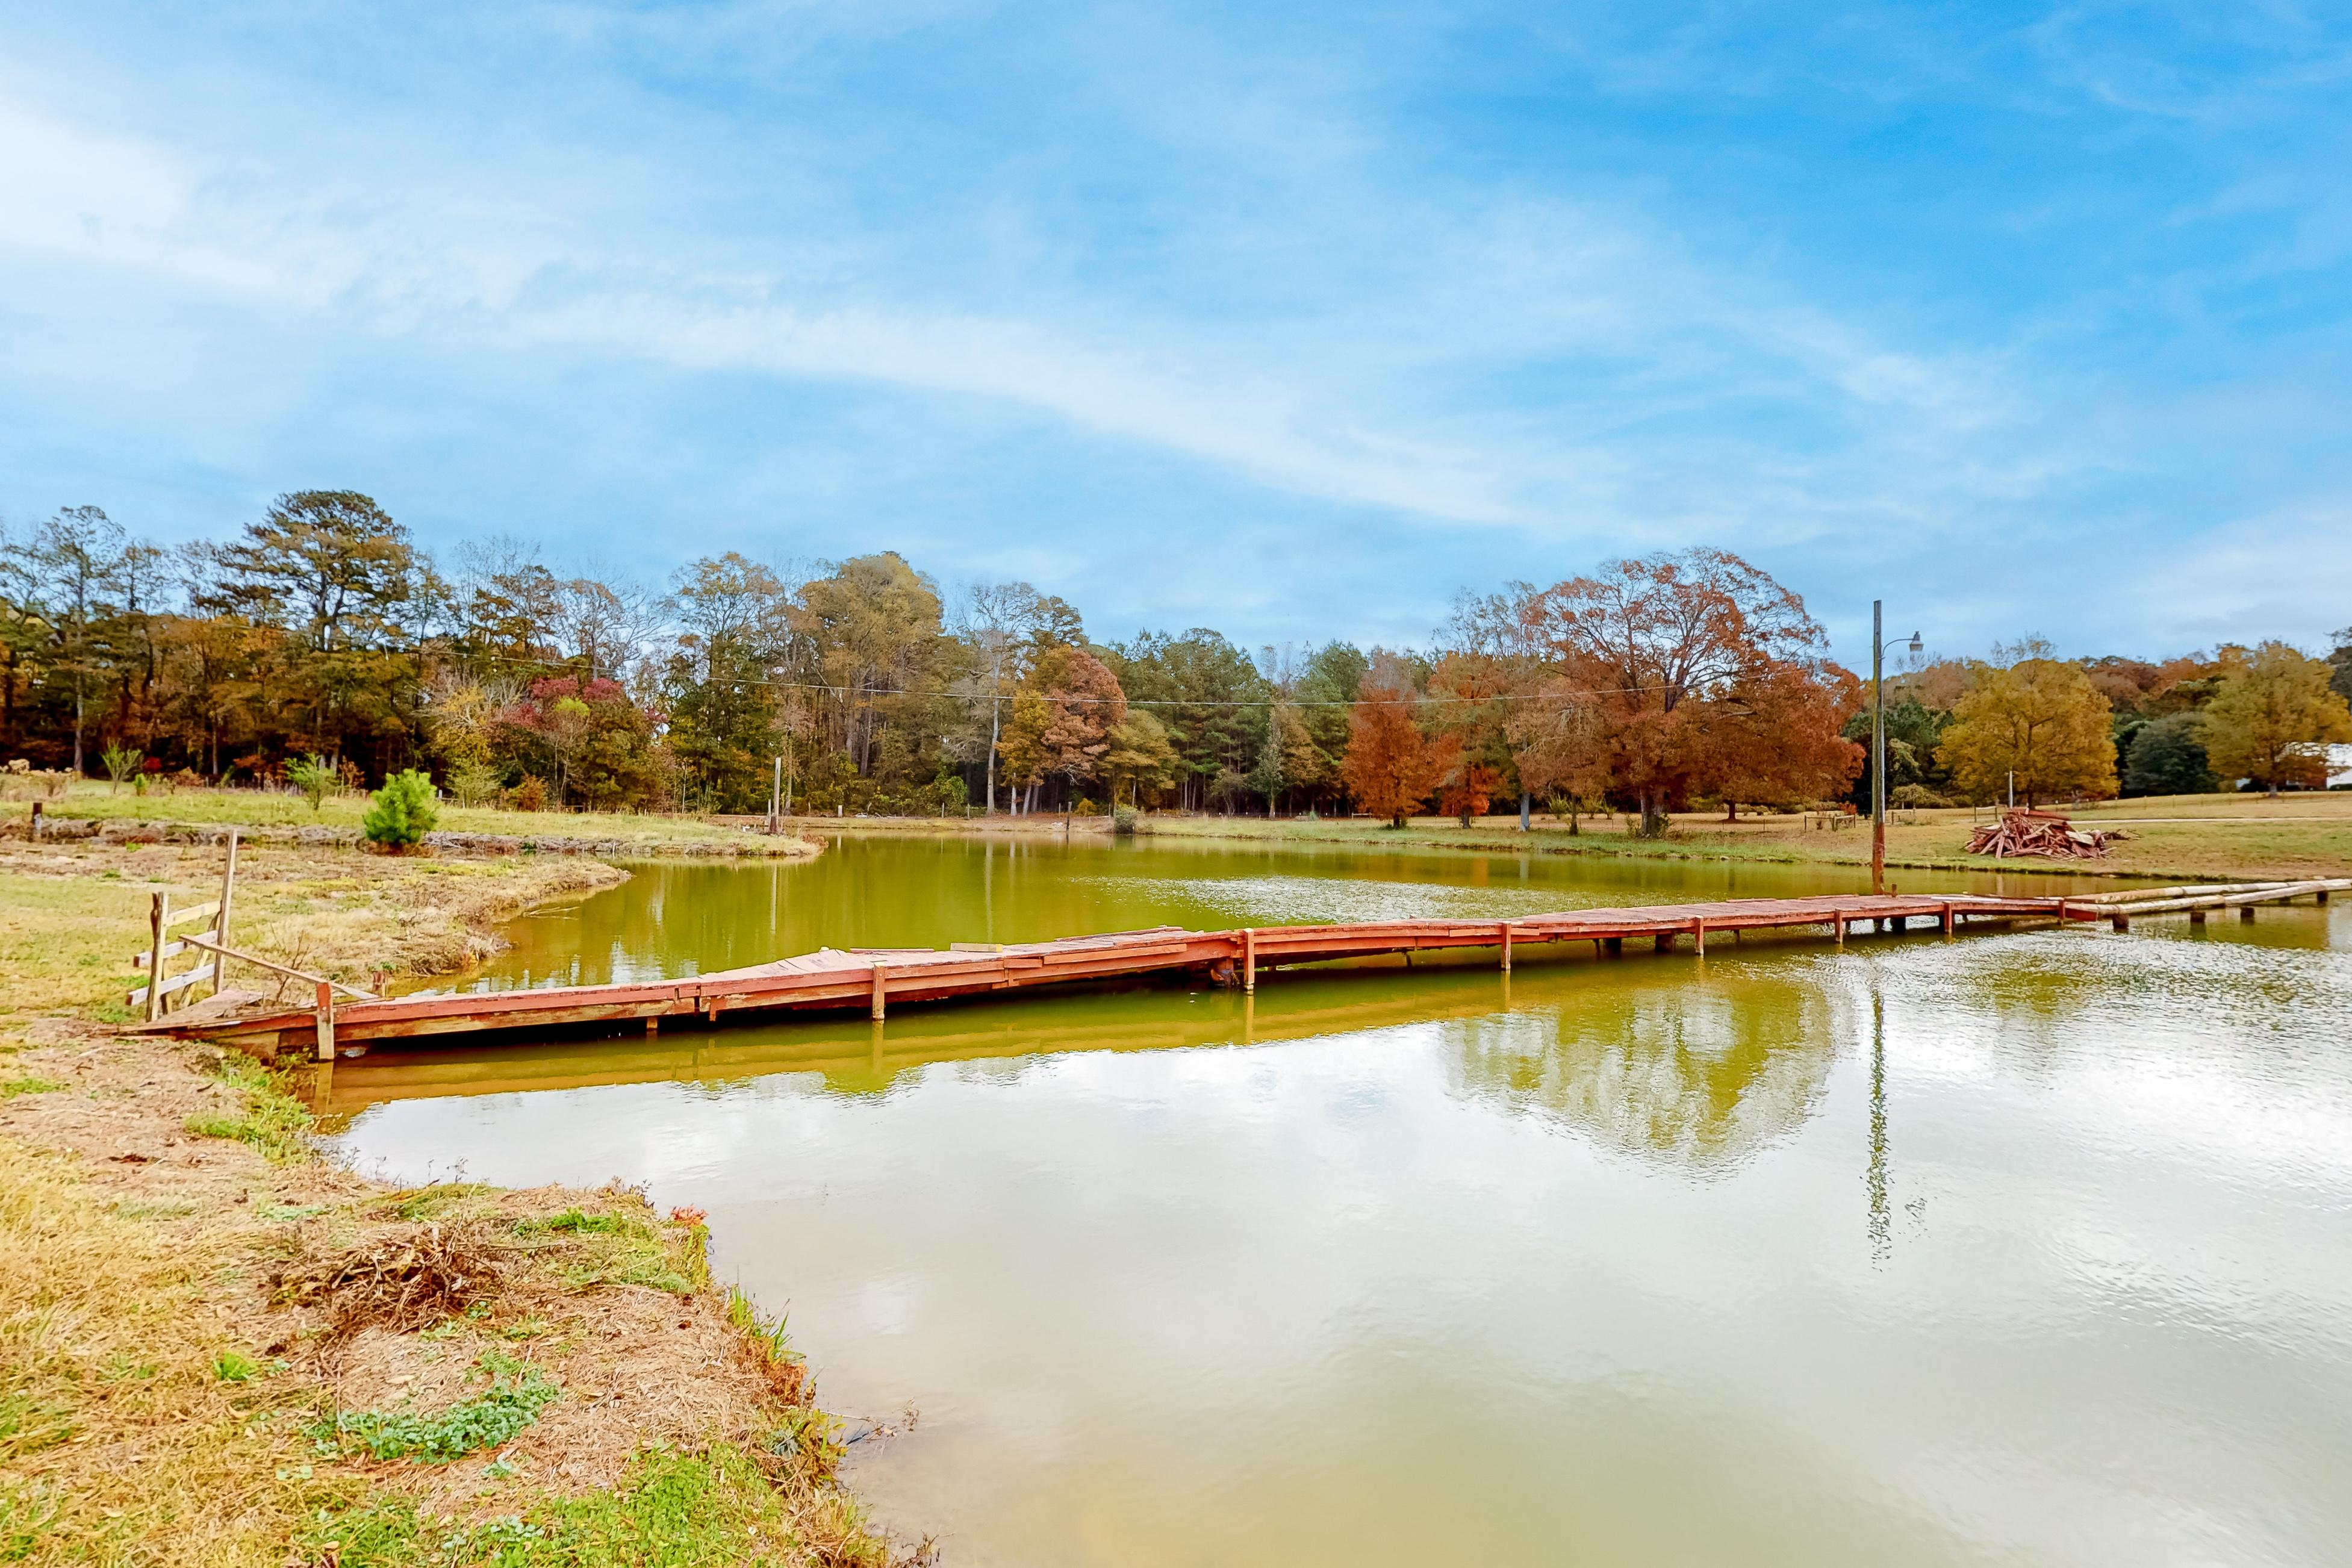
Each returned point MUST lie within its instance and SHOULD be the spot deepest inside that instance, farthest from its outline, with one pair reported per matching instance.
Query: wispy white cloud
(1267, 262)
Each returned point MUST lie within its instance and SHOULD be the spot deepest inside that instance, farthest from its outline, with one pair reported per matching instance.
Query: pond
(2023, 1248)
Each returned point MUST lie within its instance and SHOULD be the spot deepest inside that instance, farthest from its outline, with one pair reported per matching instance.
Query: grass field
(2190, 837)
(263, 808)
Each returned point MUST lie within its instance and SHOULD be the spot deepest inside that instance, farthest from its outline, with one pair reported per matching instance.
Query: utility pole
(1877, 751)
(1878, 746)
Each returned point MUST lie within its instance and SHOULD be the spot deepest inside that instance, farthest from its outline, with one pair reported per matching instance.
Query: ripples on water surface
(2019, 1250)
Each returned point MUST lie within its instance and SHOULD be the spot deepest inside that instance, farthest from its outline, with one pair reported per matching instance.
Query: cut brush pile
(2047, 834)
(401, 1283)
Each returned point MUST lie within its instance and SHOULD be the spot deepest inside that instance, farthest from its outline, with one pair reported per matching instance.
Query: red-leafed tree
(597, 744)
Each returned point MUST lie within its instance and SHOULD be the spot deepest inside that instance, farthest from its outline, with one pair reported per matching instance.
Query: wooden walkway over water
(872, 981)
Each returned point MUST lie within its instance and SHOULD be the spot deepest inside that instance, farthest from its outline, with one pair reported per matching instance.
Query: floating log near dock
(872, 981)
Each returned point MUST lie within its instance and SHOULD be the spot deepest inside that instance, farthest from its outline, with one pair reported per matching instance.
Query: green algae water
(2014, 1248)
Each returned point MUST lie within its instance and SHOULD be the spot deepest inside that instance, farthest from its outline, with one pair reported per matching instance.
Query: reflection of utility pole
(1881, 1245)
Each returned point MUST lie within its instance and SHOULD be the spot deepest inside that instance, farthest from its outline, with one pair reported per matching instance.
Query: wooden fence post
(160, 911)
(326, 1022)
(220, 920)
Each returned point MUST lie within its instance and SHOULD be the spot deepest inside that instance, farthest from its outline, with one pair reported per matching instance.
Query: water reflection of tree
(1699, 1075)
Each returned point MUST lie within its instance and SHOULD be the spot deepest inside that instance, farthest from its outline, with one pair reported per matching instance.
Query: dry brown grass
(180, 1320)
(125, 1443)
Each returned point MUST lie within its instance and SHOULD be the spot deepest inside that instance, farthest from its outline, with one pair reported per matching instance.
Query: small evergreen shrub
(403, 812)
(1122, 821)
(314, 777)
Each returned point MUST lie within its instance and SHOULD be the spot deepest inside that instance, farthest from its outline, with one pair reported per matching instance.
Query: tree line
(320, 635)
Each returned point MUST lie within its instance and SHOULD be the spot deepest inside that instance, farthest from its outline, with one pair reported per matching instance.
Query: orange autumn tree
(1469, 792)
(1390, 767)
(1469, 698)
(1769, 737)
(1082, 705)
(1678, 674)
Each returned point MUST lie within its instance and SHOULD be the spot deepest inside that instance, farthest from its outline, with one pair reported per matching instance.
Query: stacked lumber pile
(2044, 833)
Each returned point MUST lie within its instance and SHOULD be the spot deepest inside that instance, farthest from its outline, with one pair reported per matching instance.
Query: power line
(843, 692)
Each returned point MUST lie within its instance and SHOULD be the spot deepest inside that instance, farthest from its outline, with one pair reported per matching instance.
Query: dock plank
(833, 979)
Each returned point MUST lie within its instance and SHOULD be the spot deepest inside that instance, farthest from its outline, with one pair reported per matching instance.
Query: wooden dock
(873, 981)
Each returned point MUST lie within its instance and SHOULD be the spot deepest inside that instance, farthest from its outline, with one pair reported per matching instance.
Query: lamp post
(1878, 743)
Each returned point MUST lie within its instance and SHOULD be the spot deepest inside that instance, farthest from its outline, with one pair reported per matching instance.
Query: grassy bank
(215, 1349)
(72, 913)
(2189, 838)
(632, 833)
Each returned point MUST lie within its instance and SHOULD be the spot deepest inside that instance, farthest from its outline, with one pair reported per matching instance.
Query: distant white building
(2339, 766)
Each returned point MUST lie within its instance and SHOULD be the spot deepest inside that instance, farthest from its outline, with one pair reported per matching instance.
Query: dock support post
(1698, 936)
(1614, 946)
(2120, 920)
(2320, 897)
(1840, 926)
(326, 1022)
(2197, 917)
(1664, 941)
(1948, 919)
(2245, 914)
(653, 1025)
(1507, 947)
(1249, 959)
(880, 987)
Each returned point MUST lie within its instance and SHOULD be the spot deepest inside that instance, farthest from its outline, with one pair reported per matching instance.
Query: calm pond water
(2026, 1248)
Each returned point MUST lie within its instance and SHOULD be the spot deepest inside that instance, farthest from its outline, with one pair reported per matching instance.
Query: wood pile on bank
(2047, 834)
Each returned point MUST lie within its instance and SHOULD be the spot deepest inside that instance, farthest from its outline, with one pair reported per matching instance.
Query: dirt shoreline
(205, 1353)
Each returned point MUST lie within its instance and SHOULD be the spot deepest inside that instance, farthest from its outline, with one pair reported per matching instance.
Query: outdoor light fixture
(1878, 745)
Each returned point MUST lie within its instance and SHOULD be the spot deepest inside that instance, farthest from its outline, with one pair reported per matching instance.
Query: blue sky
(1291, 320)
